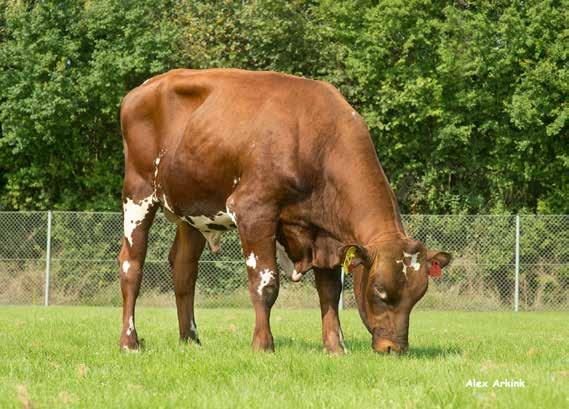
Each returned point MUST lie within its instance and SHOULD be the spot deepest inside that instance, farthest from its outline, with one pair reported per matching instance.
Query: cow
(290, 164)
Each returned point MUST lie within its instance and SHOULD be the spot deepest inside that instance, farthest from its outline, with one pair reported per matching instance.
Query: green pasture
(69, 357)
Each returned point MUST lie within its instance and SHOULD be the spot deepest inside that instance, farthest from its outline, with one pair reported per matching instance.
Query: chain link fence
(499, 263)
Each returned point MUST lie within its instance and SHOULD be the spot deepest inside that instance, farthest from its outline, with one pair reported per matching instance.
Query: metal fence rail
(500, 263)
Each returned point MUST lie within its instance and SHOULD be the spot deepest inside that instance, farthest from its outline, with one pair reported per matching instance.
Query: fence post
(517, 286)
(47, 259)
(341, 303)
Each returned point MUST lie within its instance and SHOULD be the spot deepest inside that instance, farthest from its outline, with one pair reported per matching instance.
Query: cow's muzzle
(387, 346)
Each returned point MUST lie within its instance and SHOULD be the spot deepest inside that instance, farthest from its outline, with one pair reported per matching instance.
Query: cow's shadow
(364, 345)
(298, 343)
(417, 352)
(434, 352)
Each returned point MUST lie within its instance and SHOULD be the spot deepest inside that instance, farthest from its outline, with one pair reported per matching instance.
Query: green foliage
(466, 100)
(467, 106)
(65, 66)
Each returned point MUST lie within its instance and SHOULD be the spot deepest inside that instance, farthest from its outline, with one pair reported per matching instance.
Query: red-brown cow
(289, 163)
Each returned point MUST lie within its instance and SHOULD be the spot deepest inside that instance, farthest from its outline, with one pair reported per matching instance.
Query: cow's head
(389, 279)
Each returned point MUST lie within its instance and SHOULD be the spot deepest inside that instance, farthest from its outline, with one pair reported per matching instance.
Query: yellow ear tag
(350, 254)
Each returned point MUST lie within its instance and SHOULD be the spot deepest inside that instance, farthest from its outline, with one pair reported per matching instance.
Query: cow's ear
(352, 256)
(438, 260)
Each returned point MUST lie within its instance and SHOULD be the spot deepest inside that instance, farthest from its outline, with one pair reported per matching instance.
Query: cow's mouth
(388, 346)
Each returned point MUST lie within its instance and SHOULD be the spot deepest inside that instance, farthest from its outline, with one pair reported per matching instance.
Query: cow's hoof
(334, 343)
(190, 340)
(336, 349)
(263, 348)
(263, 344)
(130, 343)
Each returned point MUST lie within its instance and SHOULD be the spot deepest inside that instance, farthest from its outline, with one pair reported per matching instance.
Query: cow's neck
(365, 210)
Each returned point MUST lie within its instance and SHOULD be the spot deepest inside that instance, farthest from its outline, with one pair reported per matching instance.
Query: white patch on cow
(211, 234)
(231, 214)
(404, 268)
(296, 276)
(146, 81)
(201, 222)
(413, 264)
(166, 204)
(414, 260)
(353, 113)
(252, 260)
(125, 267)
(156, 163)
(134, 213)
(342, 341)
(130, 326)
(266, 277)
(194, 328)
(233, 217)
(224, 219)
(284, 260)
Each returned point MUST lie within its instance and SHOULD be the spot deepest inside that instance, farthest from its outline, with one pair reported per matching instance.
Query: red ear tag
(436, 270)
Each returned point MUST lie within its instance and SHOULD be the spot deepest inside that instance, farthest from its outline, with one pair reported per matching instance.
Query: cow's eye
(380, 292)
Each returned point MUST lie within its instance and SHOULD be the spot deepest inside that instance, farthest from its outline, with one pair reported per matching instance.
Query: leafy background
(466, 100)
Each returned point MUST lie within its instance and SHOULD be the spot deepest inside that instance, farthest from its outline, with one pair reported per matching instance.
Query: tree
(65, 67)
(466, 101)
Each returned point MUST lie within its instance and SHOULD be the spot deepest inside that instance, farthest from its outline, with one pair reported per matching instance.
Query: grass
(69, 357)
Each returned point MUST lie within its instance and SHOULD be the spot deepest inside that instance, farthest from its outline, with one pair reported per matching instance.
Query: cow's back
(196, 133)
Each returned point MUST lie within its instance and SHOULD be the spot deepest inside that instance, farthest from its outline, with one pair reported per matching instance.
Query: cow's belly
(211, 227)
(186, 195)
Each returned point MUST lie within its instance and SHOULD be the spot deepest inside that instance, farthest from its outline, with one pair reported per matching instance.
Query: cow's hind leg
(329, 286)
(256, 222)
(184, 256)
(138, 213)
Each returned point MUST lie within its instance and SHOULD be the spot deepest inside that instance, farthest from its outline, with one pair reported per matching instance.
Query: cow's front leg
(257, 227)
(184, 256)
(329, 286)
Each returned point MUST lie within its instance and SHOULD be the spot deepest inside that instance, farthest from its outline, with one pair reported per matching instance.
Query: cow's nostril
(387, 346)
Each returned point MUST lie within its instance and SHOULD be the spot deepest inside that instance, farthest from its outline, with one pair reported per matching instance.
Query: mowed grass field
(69, 357)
